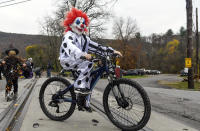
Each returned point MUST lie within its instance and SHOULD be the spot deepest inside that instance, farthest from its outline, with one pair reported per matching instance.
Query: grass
(181, 85)
(135, 77)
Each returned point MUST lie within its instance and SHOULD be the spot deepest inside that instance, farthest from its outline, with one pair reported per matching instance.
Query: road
(172, 110)
(178, 104)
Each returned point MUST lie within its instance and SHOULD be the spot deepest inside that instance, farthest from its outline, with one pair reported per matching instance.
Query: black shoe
(88, 109)
(80, 108)
(83, 91)
(15, 95)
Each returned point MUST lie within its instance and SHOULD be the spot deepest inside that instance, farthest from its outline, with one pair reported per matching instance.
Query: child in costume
(11, 70)
(76, 44)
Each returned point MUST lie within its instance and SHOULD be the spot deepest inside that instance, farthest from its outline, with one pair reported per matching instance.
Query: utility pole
(189, 42)
(197, 45)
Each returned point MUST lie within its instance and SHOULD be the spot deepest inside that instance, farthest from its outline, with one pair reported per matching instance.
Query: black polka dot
(70, 38)
(76, 40)
(65, 45)
(63, 50)
(87, 79)
(63, 38)
(90, 65)
(66, 54)
(67, 64)
(69, 51)
(79, 82)
(73, 43)
(85, 73)
(79, 71)
(76, 66)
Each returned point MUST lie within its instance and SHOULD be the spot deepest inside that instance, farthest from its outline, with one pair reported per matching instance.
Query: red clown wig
(72, 15)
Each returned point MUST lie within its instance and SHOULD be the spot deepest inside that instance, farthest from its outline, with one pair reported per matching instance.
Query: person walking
(11, 70)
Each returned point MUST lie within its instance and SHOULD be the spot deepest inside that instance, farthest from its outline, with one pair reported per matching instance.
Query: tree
(97, 11)
(169, 57)
(182, 31)
(172, 46)
(41, 58)
(169, 33)
(124, 31)
(52, 26)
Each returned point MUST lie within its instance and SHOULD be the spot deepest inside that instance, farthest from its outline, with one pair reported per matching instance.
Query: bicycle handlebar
(92, 59)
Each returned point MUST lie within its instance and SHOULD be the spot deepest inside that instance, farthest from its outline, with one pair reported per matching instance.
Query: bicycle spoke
(127, 116)
(63, 107)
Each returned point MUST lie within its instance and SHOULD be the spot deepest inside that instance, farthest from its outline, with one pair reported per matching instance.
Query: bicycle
(59, 104)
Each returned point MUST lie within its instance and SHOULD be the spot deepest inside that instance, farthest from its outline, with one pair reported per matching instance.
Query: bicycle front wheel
(56, 111)
(127, 105)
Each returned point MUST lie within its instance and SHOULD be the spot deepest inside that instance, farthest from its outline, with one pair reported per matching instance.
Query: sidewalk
(4, 104)
(79, 121)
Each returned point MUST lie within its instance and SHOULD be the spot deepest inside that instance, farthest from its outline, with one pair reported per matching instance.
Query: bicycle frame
(96, 74)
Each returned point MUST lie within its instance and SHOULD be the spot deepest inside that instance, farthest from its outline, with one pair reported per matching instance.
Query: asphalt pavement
(79, 121)
(173, 110)
(83, 121)
(180, 105)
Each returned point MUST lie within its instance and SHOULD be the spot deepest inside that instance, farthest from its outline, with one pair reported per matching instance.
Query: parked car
(131, 72)
(140, 71)
(123, 71)
(154, 72)
(148, 72)
(184, 72)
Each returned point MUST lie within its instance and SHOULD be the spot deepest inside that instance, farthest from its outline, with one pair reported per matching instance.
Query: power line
(6, 1)
(15, 3)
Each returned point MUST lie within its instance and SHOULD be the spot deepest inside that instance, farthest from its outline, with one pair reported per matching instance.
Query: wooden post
(189, 42)
(197, 45)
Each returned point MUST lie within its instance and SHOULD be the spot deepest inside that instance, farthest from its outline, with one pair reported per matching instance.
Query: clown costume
(76, 44)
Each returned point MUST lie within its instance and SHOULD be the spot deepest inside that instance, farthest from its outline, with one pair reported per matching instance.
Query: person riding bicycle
(76, 44)
(10, 65)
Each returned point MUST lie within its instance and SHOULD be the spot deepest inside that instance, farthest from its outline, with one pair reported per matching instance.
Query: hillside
(20, 41)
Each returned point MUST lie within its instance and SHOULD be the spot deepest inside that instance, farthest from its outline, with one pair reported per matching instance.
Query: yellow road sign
(188, 62)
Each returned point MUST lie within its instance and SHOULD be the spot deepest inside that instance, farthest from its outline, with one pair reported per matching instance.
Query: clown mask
(78, 26)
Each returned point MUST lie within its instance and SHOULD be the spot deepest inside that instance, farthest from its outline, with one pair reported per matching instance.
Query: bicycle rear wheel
(56, 111)
(127, 105)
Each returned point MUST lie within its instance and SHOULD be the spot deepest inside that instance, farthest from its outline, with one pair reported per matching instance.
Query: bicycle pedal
(53, 104)
(58, 109)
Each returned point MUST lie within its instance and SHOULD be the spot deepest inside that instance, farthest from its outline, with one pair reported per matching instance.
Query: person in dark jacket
(0, 70)
(28, 71)
(49, 68)
(11, 66)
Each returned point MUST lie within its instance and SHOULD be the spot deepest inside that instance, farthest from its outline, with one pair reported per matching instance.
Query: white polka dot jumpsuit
(72, 48)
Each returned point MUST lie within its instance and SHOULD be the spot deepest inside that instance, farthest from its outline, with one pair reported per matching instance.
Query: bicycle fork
(119, 96)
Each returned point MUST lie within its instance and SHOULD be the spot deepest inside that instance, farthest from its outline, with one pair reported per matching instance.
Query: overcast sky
(152, 16)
